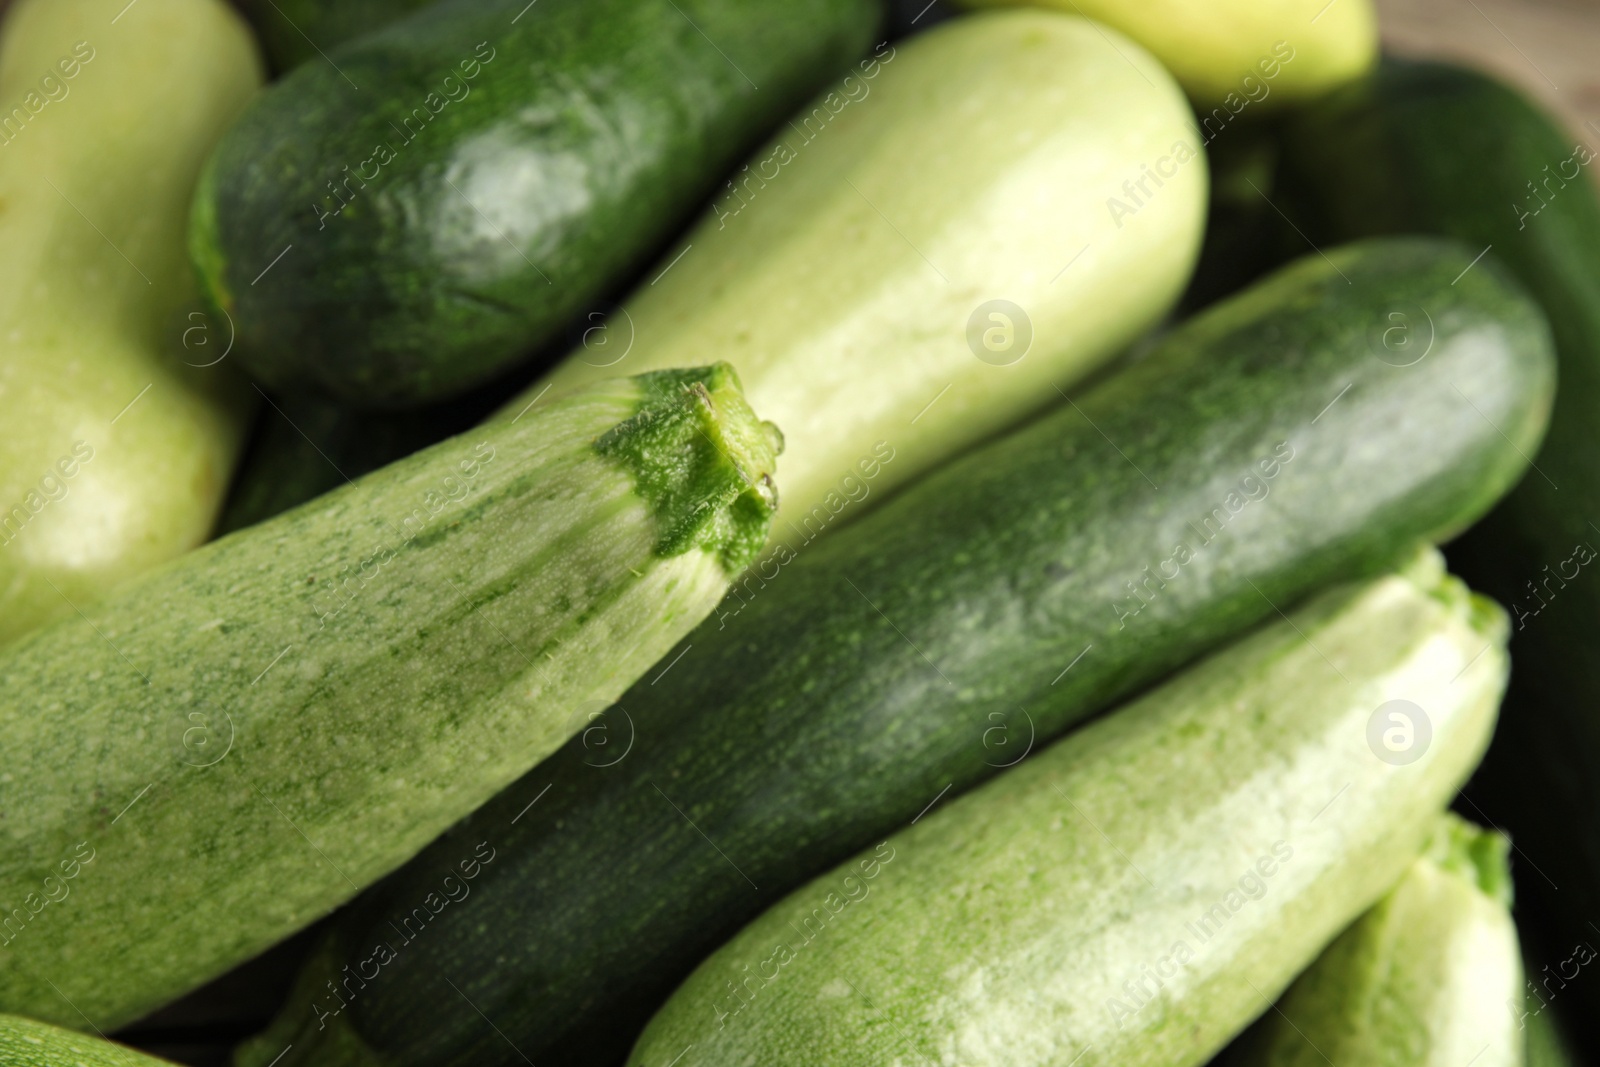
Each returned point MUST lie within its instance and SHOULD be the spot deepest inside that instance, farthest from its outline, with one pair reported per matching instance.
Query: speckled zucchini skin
(1130, 895)
(1434, 148)
(26, 1043)
(1429, 977)
(550, 148)
(844, 687)
(228, 748)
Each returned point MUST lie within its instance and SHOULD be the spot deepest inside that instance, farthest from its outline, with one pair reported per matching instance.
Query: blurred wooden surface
(1546, 47)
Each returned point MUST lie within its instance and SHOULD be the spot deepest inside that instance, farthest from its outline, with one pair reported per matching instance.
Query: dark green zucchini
(304, 446)
(293, 31)
(397, 224)
(1430, 147)
(1260, 451)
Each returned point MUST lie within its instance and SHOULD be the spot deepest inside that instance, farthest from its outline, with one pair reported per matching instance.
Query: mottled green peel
(1128, 895)
(1429, 977)
(226, 749)
(1425, 147)
(938, 639)
(25, 1043)
(703, 462)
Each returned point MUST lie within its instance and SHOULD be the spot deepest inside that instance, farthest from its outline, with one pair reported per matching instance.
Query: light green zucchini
(233, 745)
(1427, 978)
(115, 455)
(1237, 57)
(26, 1043)
(850, 269)
(1133, 894)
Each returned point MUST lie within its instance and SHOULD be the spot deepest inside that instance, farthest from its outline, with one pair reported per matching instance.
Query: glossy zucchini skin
(847, 686)
(1130, 894)
(1429, 977)
(1432, 147)
(26, 1043)
(228, 748)
(500, 166)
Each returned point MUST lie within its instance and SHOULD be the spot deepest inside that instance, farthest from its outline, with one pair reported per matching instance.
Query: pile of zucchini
(706, 533)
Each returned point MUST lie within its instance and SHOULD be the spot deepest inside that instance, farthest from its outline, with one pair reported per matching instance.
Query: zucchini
(231, 746)
(851, 269)
(115, 455)
(293, 31)
(1431, 147)
(501, 166)
(26, 1043)
(1424, 979)
(1241, 56)
(843, 688)
(1132, 893)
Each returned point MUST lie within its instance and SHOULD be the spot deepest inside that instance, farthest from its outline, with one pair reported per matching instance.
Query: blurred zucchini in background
(1134, 891)
(293, 31)
(1245, 237)
(235, 744)
(1427, 978)
(1241, 55)
(115, 455)
(929, 252)
(26, 1043)
(1433, 147)
(1246, 462)
(1547, 1041)
(397, 225)
(303, 446)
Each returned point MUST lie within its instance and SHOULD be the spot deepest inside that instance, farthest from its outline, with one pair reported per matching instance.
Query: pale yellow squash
(114, 454)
